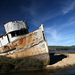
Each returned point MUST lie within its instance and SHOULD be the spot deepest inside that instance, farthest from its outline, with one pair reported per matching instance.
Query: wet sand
(60, 61)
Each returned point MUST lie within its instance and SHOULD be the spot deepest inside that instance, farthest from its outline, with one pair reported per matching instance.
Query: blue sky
(58, 17)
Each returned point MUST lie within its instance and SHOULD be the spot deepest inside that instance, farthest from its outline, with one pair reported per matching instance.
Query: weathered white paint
(11, 27)
(0, 43)
(15, 25)
(3, 40)
(14, 38)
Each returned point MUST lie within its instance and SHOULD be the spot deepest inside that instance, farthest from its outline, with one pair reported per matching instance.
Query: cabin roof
(12, 21)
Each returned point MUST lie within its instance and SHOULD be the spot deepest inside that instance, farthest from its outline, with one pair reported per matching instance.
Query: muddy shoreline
(59, 61)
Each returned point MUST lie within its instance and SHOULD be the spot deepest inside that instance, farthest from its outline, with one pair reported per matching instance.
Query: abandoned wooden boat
(17, 42)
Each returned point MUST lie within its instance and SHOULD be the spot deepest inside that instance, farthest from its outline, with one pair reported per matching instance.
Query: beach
(60, 61)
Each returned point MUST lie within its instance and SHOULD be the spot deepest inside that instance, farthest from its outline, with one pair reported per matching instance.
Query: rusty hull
(31, 45)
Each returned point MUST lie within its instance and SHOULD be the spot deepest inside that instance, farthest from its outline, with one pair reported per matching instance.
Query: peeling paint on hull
(32, 45)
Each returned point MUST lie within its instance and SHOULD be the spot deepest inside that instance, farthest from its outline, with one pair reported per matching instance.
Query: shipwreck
(17, 42)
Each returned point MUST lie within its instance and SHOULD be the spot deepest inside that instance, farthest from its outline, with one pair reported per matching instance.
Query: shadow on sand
(56, 58)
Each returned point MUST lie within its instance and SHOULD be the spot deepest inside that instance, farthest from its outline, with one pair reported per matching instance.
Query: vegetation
(22, 64)
(57, 48)
(19, 64)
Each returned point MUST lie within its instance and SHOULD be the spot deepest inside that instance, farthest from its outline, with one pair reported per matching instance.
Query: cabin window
(18, 33)
(13, 34)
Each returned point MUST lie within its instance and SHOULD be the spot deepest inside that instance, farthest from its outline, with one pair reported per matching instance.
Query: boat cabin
(14, 30)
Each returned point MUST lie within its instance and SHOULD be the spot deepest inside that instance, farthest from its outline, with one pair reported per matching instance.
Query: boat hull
(32, 45)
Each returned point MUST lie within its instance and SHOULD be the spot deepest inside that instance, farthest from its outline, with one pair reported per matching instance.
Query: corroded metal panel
(31, 44)
(3, 40)
(15, 25)
(33, 40)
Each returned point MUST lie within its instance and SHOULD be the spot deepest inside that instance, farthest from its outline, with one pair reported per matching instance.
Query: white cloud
(29, 10)
(36, 16)
(33, 8)
(72, 23)
(53, 34)
(71, 19)
(56, 37)
(51, 43)
(69, 41)
(66, 25)
(43, 18)
(68, 6)
(36, 6)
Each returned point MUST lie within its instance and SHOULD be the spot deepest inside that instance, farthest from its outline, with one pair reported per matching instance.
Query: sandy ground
(61, 61)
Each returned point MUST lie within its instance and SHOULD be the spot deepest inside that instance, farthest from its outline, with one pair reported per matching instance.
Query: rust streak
(12, 46)
(23, 43)
(29, 39)
(20, 40)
